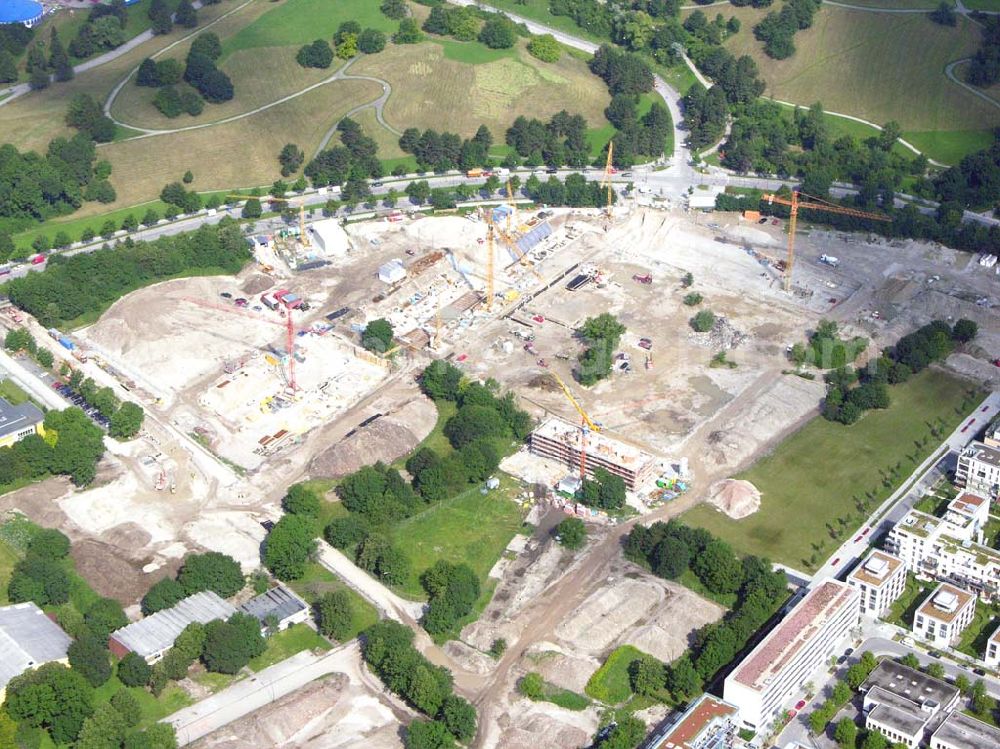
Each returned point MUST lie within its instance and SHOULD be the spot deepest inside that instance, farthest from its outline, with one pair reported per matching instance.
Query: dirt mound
(386, 438)
(257, 283)
(735, 497)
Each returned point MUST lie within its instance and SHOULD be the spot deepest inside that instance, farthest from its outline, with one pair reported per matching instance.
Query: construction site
(254, 382)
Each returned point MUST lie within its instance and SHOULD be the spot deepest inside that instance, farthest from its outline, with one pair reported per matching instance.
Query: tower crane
(303, 237)
(607, 176)
(814, 204)
(287, 324)
(587, 424)
(490, 261)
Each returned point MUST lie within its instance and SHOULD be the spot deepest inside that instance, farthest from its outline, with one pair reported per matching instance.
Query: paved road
(27, 381)
(909, 492)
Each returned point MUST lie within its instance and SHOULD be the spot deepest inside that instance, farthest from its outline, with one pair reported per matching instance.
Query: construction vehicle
(587, 424)
(815, 204)
(645, 280)
(829, 260)
(303, 237)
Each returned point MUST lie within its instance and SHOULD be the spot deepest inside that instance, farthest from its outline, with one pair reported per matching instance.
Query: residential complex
(28, 639)
(17, 422)
(960, 731)
(950, 548)
(979, 467)
(562, 441)
(944, 615)
(992, 657)
(153, 636)
(904, 704)
(787, 657)
(880, 579)
(709, 723)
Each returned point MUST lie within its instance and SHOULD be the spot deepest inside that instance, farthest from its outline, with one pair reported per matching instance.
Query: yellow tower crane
(814, 204)
(490, 261)
(607, 176)
(587, 424)
(303, 237)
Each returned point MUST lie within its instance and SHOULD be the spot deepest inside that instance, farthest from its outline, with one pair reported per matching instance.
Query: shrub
(545, 48)
(703, 321)
(133, 671)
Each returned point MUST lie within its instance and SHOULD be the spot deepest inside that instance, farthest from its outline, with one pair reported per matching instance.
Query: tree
(428, 734)
(48, 543)
(704, 321)
(856, 676)
(301, 500)
(133, 671)
(627, 733)
(168, 102)
(498, 32)
(169, 72)
(846, 733)
(875, 740)
(965, 330)
(545, 48)
(394, 9)
(944, 14)
(347, 46)
(671, 557)
(127, 421)
(459, 717)
(471, 423)
(8, 67)
(346, 533)
(231, 644)
(572, 533)
(58, 59)
(89, 658)
(211, 571)
(718, 568)
(291, 159)
(162, 595)
(315, 55)
(207, 44)
(105, 728)
(289, 545)
(186, 15)
(646, 675)
(158, 735)
(85, 114)
(334, 615)
(51, 696)
(377, 336)
(408, 33)
(371, 41)
(43, 581)
(103, 617)
(682, 679)
(127, 706)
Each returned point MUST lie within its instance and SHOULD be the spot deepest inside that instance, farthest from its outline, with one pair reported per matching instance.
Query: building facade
(992, 657)
(944, 615)
(880, 580)
(979, 468)
(776, 670)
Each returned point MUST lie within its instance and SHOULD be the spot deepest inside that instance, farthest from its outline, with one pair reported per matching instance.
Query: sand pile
(735, 497)
(257, 283)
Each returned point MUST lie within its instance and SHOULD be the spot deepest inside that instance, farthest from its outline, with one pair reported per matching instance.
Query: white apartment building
(950, 548)
(904, 704)
(979, 467)
(944, 615)
(992, 657)
(880, 579)
(790, 654)
(959, 731)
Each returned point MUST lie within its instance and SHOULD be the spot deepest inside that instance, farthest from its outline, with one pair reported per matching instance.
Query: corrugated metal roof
(28, 638)
(156, 633)
(280, 602)
(526, 243)
(16, 418)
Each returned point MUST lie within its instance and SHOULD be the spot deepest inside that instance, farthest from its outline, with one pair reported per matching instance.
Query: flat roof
(983, 453)
(598, 445)
(910, 684)
(279, 602)
(897, 713)
(16, 418)
(702, 713)
(995, 637)
(863, 574)
(28, 638)
(928, 609)
(966, 503)
(785, 641)
(918, 523)
(964, 731)
(156, 633)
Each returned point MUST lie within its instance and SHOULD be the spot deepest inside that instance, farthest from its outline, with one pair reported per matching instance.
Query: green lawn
(841, 126)
(285, 644)
(564, 698)
(12, 393)
(977, 634)
(468, 527)
(302, 21)
(8, 558)
(319, 580)
(471, 53)
(801, 501)
(610, 683)
(905, 607)
(950, 146)
(172, 699)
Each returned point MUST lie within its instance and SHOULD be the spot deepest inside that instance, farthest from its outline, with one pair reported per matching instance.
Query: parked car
(800, 704)
(646, 343)
(226, 295)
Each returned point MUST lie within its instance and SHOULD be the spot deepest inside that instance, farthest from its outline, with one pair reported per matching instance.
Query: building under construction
(562, 441)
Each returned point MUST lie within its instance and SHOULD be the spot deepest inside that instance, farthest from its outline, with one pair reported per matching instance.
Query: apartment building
(979, 467)
(790, 654)
(880, 580)
(992, 657)
(709, 723)
(944, 615)
(959, 731)
(904, 704)
(950, 548)
(565, 442)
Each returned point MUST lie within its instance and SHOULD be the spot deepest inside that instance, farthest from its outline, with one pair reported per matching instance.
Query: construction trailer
(559, 440)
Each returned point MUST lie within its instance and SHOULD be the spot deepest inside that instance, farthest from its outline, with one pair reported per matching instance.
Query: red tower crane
(288, 324)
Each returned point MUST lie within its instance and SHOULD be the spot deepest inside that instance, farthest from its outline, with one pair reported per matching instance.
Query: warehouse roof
(279, 602)
(16, 418)
(156, 633)
(28, 638)
(963, 732)
(910, 684)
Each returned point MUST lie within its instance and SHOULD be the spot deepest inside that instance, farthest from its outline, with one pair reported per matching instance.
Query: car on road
(835, 562)
(934, 654)
(538, 318)
(800, 704)
(867, 531)
(377, 184)
(979, 671)
(226, 295)
(763, 220)
(984, 408)
(859, 538)
(849, 651)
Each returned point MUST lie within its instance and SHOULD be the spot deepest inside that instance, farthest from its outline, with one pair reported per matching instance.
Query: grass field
(563, 698)
(8, 558)
(610, 683)
(905, 607)
(468, 527)
(12, 393)
(285, 644)
(949, 147)
(319, 580)
(879, 67)
(975, 637)
(799, 503)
